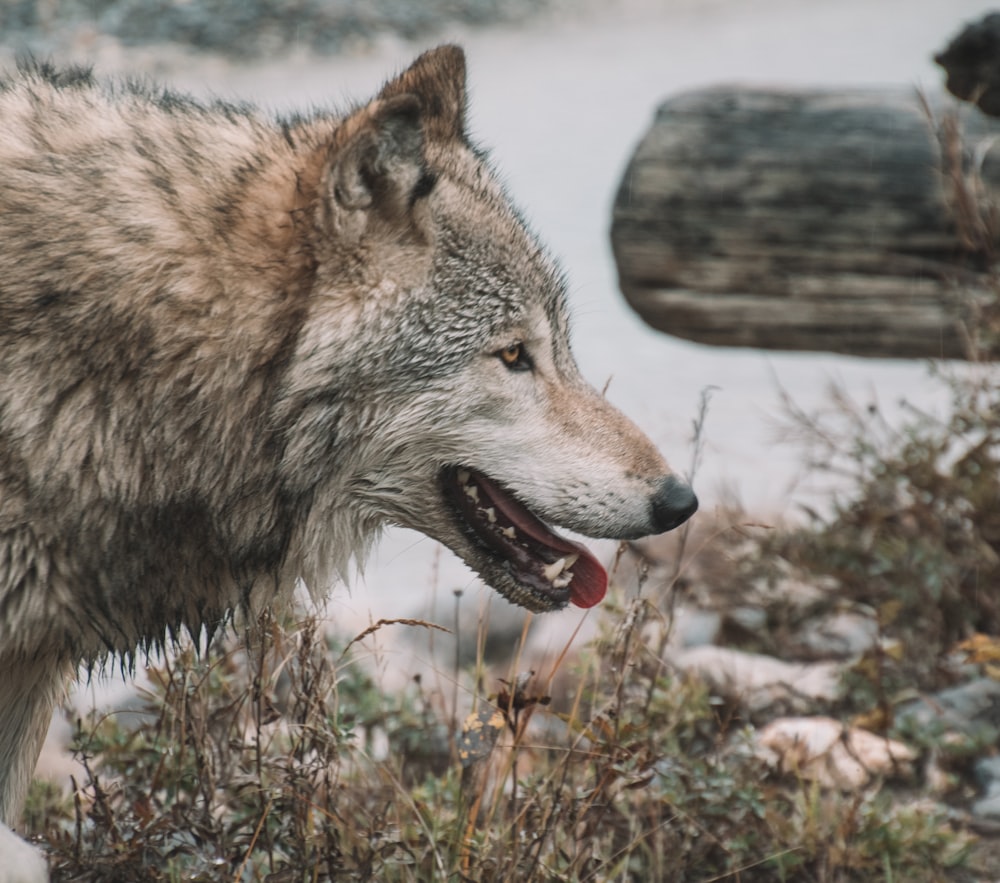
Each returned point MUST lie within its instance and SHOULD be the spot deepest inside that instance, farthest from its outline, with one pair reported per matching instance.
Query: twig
(253, 840)
(383, 622)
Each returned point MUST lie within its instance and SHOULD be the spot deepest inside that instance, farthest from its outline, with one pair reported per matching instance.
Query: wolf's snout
(673, 504)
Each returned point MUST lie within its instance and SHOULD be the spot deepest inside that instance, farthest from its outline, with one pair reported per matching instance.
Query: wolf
(234, 346)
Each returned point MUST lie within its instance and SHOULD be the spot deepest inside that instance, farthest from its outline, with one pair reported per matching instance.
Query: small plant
(262, 765)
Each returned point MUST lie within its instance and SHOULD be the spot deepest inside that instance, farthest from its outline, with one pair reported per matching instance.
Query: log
(837, 221)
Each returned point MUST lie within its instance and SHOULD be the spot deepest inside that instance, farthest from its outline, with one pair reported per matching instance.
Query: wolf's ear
(437, 79)
(378, 160)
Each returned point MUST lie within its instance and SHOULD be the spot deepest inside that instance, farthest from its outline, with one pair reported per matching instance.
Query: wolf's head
(437, 361)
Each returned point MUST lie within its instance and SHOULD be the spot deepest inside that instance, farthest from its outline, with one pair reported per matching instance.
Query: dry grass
(265, 759)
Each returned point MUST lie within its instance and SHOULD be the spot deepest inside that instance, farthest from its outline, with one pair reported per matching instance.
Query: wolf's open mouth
(544, 563)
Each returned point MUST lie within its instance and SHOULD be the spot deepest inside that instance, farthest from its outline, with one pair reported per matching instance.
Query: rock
(842, 634)
(827, 751)
(987, 773)
(988, 807)
(760, 682)
(972, 709)
(793, 590)
(687, 627)
(749, 619)
(694, 627)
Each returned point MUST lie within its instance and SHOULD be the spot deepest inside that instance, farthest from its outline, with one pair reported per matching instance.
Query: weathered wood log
(830, 221)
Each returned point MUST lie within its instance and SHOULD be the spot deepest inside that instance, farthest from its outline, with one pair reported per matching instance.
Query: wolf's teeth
(491, 515)
(558, 573)
(551, 571)
(472, 492)
(509, 532)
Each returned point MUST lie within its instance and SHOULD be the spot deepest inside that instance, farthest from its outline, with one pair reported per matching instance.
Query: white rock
(687, 627)
(789, 590)
(843, 633)
(761, 681)
(827, 751)
(750, 619)
(695, 627)
(987, 807)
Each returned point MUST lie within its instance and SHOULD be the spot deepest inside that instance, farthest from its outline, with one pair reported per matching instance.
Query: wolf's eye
(514, 357)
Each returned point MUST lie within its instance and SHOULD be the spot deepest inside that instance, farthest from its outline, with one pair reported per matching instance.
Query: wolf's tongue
(589, 585)
(589, 582)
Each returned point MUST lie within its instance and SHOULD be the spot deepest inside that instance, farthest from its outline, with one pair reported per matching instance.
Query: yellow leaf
(877, 720)
(889, 611)
(894, 650)
(981, 649)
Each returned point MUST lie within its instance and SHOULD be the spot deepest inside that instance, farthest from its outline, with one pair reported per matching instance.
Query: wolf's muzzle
(673, 504)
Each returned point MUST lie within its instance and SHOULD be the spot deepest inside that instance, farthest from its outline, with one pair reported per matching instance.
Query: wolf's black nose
(673, 504)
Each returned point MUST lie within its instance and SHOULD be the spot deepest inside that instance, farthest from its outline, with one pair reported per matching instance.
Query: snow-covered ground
(562, 102)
